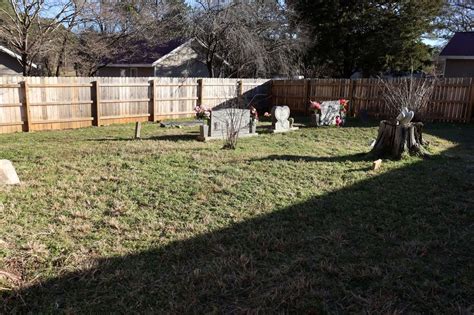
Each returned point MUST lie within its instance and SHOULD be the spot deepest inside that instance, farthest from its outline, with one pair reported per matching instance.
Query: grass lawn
(295, 222)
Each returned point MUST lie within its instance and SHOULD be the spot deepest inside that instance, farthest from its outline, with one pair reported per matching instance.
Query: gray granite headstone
(223, 119)
(8, 174)
(329, 111)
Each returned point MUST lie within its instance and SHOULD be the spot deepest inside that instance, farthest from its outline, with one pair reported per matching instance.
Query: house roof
(172, 52)
(145, 54)
(14, 55)
(462, 45)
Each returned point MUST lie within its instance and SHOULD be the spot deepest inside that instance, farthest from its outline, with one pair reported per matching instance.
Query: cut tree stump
(394, 139)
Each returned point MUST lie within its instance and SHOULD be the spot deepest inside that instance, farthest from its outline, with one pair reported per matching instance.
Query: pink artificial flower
(338, 121)
(315, 105)
(267, 114)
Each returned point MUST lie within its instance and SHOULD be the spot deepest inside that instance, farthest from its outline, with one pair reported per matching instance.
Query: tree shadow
(167, 137)
(358, 157)
(397, 242)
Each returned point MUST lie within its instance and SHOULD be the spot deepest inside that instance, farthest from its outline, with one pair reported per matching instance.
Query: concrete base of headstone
(285, 130)
(205, 139)
(8, 174)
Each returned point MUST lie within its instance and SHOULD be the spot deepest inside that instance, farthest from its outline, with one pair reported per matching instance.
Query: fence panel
(175, 97)
(123, 100)
(292, 93)
(257, 92)
(452, 99)
(11, 110)
(58, 102)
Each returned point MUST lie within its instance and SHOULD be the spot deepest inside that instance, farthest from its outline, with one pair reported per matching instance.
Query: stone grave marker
(280, 119)
(329, 111)
(8, 174)
(223, 119)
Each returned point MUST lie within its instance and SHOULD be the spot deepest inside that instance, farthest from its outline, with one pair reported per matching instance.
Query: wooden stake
(138, 128)
(377, 164)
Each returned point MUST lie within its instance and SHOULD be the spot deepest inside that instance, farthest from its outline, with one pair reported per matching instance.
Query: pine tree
(367, 36)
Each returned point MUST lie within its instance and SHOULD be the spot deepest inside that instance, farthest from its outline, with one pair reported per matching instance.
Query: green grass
(289, 223)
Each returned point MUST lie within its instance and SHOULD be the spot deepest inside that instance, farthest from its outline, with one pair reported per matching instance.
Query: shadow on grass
(399, 242)
(330, 159)
(168, 137)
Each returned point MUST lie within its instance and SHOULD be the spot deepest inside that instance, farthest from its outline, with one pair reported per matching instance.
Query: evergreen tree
(366, 35)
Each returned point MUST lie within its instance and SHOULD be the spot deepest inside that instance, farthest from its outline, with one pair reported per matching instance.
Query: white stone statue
(405, 117)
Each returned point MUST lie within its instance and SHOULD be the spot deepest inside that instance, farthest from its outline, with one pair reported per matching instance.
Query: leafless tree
(412, 93)
(457, 16)
(112, 28)
(246, 38)
(29, 26)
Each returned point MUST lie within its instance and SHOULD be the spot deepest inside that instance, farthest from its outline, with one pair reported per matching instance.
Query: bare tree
(411, 93)
(247, 38)
(29, 26)
(109, 29)
(457, 16)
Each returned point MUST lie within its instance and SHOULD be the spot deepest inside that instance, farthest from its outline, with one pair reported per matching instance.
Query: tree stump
(395, 139)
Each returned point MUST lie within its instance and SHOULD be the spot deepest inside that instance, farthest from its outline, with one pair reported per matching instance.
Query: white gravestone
(329, 111)
(280, 116)
(8, 174)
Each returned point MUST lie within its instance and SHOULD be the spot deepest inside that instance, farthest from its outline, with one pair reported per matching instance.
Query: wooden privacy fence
(452, 99)
(48, 103)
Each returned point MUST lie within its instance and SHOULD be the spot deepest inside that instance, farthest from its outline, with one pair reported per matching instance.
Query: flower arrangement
(315, 107)
(253, 113)
(202, 112)
(344, 105)
(267, 114)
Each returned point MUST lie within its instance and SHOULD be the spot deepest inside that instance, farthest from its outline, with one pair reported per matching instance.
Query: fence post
(351, 97)
(152, 100)
(470, 109)
(200, 92)
(95, 103)
(26, 104)
(307, 95)
(240, 90)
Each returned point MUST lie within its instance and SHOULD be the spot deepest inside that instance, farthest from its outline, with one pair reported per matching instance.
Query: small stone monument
(280, 119)
(405, 117)
(329, 111)
(8, 174)
(223, 120)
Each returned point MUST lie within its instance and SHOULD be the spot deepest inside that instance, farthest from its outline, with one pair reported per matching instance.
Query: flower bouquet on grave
(341, 119)
(315, 107)
(253, 119)
(203, 113)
